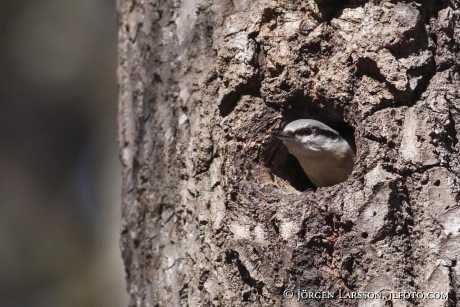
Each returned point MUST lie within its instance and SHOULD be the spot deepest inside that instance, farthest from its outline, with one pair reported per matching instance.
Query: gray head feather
(309, 123)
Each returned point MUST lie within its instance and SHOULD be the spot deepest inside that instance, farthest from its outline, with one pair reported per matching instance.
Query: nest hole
(285, 166)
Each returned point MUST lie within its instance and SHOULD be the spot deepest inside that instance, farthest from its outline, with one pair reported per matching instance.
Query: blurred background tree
(59, 170)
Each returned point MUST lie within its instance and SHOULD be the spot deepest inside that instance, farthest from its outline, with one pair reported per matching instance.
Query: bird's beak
(282, 135)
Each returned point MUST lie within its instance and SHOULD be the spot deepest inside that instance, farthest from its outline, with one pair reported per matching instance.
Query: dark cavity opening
(286, 166)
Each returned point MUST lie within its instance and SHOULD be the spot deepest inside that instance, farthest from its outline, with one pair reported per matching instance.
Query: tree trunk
(217, 213)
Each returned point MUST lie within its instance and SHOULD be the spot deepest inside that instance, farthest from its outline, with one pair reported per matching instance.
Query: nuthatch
(325, 156)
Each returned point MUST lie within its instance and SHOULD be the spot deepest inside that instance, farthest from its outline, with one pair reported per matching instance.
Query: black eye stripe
(305, 131)
(315, 131)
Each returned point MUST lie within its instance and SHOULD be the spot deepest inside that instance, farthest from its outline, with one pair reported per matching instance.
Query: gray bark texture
(215, 210)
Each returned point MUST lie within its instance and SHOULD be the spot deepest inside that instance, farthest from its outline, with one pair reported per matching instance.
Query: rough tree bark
(217, 213)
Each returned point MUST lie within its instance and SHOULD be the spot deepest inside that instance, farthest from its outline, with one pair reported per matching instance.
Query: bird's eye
(305, 131)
